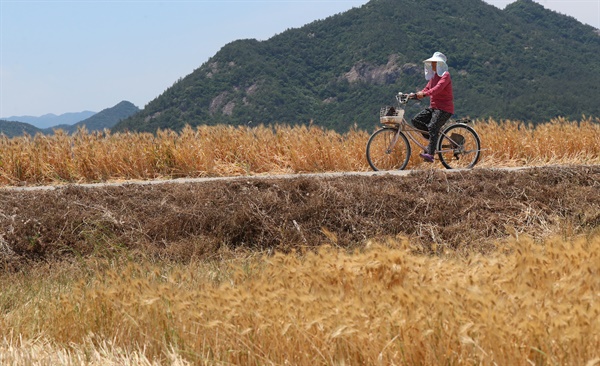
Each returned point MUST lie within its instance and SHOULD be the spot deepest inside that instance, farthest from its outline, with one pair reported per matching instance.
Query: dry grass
(226, 150)
(461, 211)
(526, 303)
(558, 142)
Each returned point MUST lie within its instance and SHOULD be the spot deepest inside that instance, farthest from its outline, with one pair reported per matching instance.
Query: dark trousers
(431, 120)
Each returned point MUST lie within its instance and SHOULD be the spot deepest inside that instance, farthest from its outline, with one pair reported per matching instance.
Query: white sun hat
(441, 68)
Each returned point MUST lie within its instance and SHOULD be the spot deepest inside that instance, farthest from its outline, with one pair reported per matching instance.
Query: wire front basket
(391, 115)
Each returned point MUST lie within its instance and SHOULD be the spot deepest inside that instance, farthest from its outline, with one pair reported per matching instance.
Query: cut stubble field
(474, 267)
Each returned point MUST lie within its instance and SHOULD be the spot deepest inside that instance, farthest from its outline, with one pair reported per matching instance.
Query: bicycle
(458, 146)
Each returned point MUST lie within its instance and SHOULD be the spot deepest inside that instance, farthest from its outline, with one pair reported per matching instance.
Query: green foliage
(522, 63)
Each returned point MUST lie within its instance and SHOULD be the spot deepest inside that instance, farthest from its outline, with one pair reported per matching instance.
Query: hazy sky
(59, 56)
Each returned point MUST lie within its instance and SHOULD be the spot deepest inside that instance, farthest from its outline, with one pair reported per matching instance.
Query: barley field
(528, 303)
(226, 151)
(481, 267)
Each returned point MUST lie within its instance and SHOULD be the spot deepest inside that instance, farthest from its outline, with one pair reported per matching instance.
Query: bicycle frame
(408, 130)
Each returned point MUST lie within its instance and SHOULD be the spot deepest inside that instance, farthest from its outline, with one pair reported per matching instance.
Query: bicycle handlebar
(404, 98)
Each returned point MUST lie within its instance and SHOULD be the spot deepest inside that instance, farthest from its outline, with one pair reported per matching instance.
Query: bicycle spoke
(459, 147)
(387, 150)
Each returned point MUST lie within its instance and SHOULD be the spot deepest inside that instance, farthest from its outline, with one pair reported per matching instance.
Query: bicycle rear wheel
(384, 154)
(459, 147)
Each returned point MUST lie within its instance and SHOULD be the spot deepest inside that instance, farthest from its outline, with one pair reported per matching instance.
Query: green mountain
(12, 128)
(106, 118)
(523, 63)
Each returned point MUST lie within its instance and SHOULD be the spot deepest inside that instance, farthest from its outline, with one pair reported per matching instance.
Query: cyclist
(441, 106)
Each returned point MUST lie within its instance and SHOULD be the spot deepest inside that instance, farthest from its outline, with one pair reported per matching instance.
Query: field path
(399, 173)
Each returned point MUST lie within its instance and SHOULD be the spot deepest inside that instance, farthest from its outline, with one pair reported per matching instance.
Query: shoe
(427, 157)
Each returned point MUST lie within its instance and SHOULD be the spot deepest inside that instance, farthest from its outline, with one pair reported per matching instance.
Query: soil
(462, 211)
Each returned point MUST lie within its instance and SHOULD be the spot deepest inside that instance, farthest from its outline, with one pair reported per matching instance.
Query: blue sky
(74, 55)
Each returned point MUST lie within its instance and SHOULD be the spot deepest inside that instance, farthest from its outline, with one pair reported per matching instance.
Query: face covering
(441, 69)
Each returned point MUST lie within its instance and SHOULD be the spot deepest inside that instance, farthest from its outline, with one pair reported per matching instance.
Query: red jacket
(440, 91)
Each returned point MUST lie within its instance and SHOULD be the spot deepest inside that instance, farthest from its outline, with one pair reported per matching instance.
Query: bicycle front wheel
(459, 147)
(388, 149)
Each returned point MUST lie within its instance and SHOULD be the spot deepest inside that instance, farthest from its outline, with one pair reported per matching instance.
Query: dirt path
(398, 173)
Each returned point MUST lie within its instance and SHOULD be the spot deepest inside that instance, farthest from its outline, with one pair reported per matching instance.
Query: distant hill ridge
(523, 63)
(50, 119)
(106, 118)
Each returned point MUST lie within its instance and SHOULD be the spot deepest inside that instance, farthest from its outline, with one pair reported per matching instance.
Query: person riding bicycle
(441, 106)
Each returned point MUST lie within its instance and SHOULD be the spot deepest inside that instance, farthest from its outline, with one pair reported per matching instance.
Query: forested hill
(13, 128)
(106, 118)
(523, 63)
